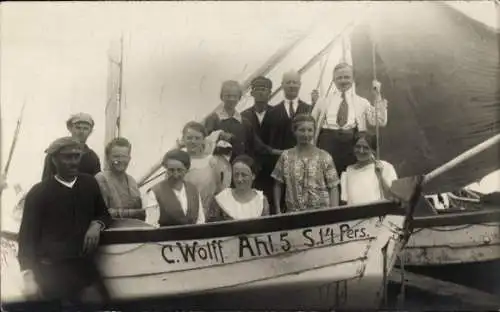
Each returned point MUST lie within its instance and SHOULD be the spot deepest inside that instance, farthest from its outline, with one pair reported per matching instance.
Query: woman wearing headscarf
(174, 201)
(119, 189)
(306, 172)
(242, 201)
(368, 180)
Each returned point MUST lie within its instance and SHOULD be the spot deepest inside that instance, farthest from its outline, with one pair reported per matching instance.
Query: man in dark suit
(277, 125)
(261, 91)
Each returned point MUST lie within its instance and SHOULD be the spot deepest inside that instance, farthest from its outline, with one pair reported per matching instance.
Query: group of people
(265, 160)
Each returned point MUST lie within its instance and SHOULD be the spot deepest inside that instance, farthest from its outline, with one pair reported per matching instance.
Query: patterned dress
(307, 179)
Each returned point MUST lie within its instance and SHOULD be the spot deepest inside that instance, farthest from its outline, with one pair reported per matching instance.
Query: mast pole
(120, 91)
(14, 141)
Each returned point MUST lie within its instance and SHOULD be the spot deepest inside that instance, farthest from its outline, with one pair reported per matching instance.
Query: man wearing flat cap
(80, 126)
(174, 201)
(62, 221)
(256, 115)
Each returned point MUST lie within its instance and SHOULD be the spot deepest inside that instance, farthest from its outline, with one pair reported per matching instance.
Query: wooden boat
(435, 105)
(456, 245)
(324, 259)
(453, 236)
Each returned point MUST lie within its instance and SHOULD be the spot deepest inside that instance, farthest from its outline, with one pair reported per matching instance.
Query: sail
(440, 74)
(114, 85)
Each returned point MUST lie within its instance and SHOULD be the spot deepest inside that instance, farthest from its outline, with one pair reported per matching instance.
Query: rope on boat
(374, 66)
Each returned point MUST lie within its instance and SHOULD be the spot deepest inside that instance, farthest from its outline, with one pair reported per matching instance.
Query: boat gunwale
(266, 224)
(488, 215)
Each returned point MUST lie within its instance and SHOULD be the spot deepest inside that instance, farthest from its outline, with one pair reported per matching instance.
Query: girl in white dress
(368, 180)
(242, 201)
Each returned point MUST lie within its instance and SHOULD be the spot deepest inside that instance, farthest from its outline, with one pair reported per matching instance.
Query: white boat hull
(332, 265)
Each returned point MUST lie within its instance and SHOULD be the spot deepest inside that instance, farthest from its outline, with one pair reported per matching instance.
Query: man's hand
(30, 286)
(226, 136)
(92, 236)
(379, 167)
(377, 86)
(276, 152)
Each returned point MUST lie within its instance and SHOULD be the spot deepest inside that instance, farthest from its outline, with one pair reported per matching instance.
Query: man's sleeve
(101, 213)
(30, 230)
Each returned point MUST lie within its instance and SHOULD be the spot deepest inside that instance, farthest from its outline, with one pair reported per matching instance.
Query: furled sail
(114, 91)
(440, 73)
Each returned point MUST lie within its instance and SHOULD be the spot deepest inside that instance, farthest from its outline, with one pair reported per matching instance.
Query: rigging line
(263, 70)
(14, 141)
(317, 56)
(374, 69)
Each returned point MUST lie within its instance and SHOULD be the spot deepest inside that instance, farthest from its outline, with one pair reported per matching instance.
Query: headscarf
(63, 142)
(179, 155)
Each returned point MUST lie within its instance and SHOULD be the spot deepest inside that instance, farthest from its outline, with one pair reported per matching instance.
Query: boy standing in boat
(62, 221)
(80, 126)
(343, 114)
(256, 114)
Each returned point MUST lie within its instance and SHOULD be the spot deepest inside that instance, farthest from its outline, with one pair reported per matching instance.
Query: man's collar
(222, 114)
(348, 93)
(266, 107)
(66, 183)
(294, 101)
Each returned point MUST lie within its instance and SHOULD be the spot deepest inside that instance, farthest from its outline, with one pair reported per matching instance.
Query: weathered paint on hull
(346, 272)
(454, 244)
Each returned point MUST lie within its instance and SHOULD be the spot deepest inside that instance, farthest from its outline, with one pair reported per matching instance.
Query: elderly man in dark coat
(80, 126)
(60, 230)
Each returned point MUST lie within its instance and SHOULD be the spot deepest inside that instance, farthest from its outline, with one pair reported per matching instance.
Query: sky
(54, 58)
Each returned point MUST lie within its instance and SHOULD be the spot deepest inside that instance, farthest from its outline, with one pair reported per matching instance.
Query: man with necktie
(344, 114)
(277, 125)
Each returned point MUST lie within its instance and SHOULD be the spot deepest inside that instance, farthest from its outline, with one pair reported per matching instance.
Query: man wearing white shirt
(174, 201)
(340, 116)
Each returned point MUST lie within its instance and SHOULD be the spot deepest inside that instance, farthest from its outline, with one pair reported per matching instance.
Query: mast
(120, 91)
(113, 108)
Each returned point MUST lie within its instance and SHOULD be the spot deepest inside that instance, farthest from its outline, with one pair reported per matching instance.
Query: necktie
(343, 111)
(290, 108)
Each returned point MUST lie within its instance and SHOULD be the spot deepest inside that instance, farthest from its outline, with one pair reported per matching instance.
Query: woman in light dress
(119, 189)
(306, 172)
(202, 172)
(368, 180)
(242, 201)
